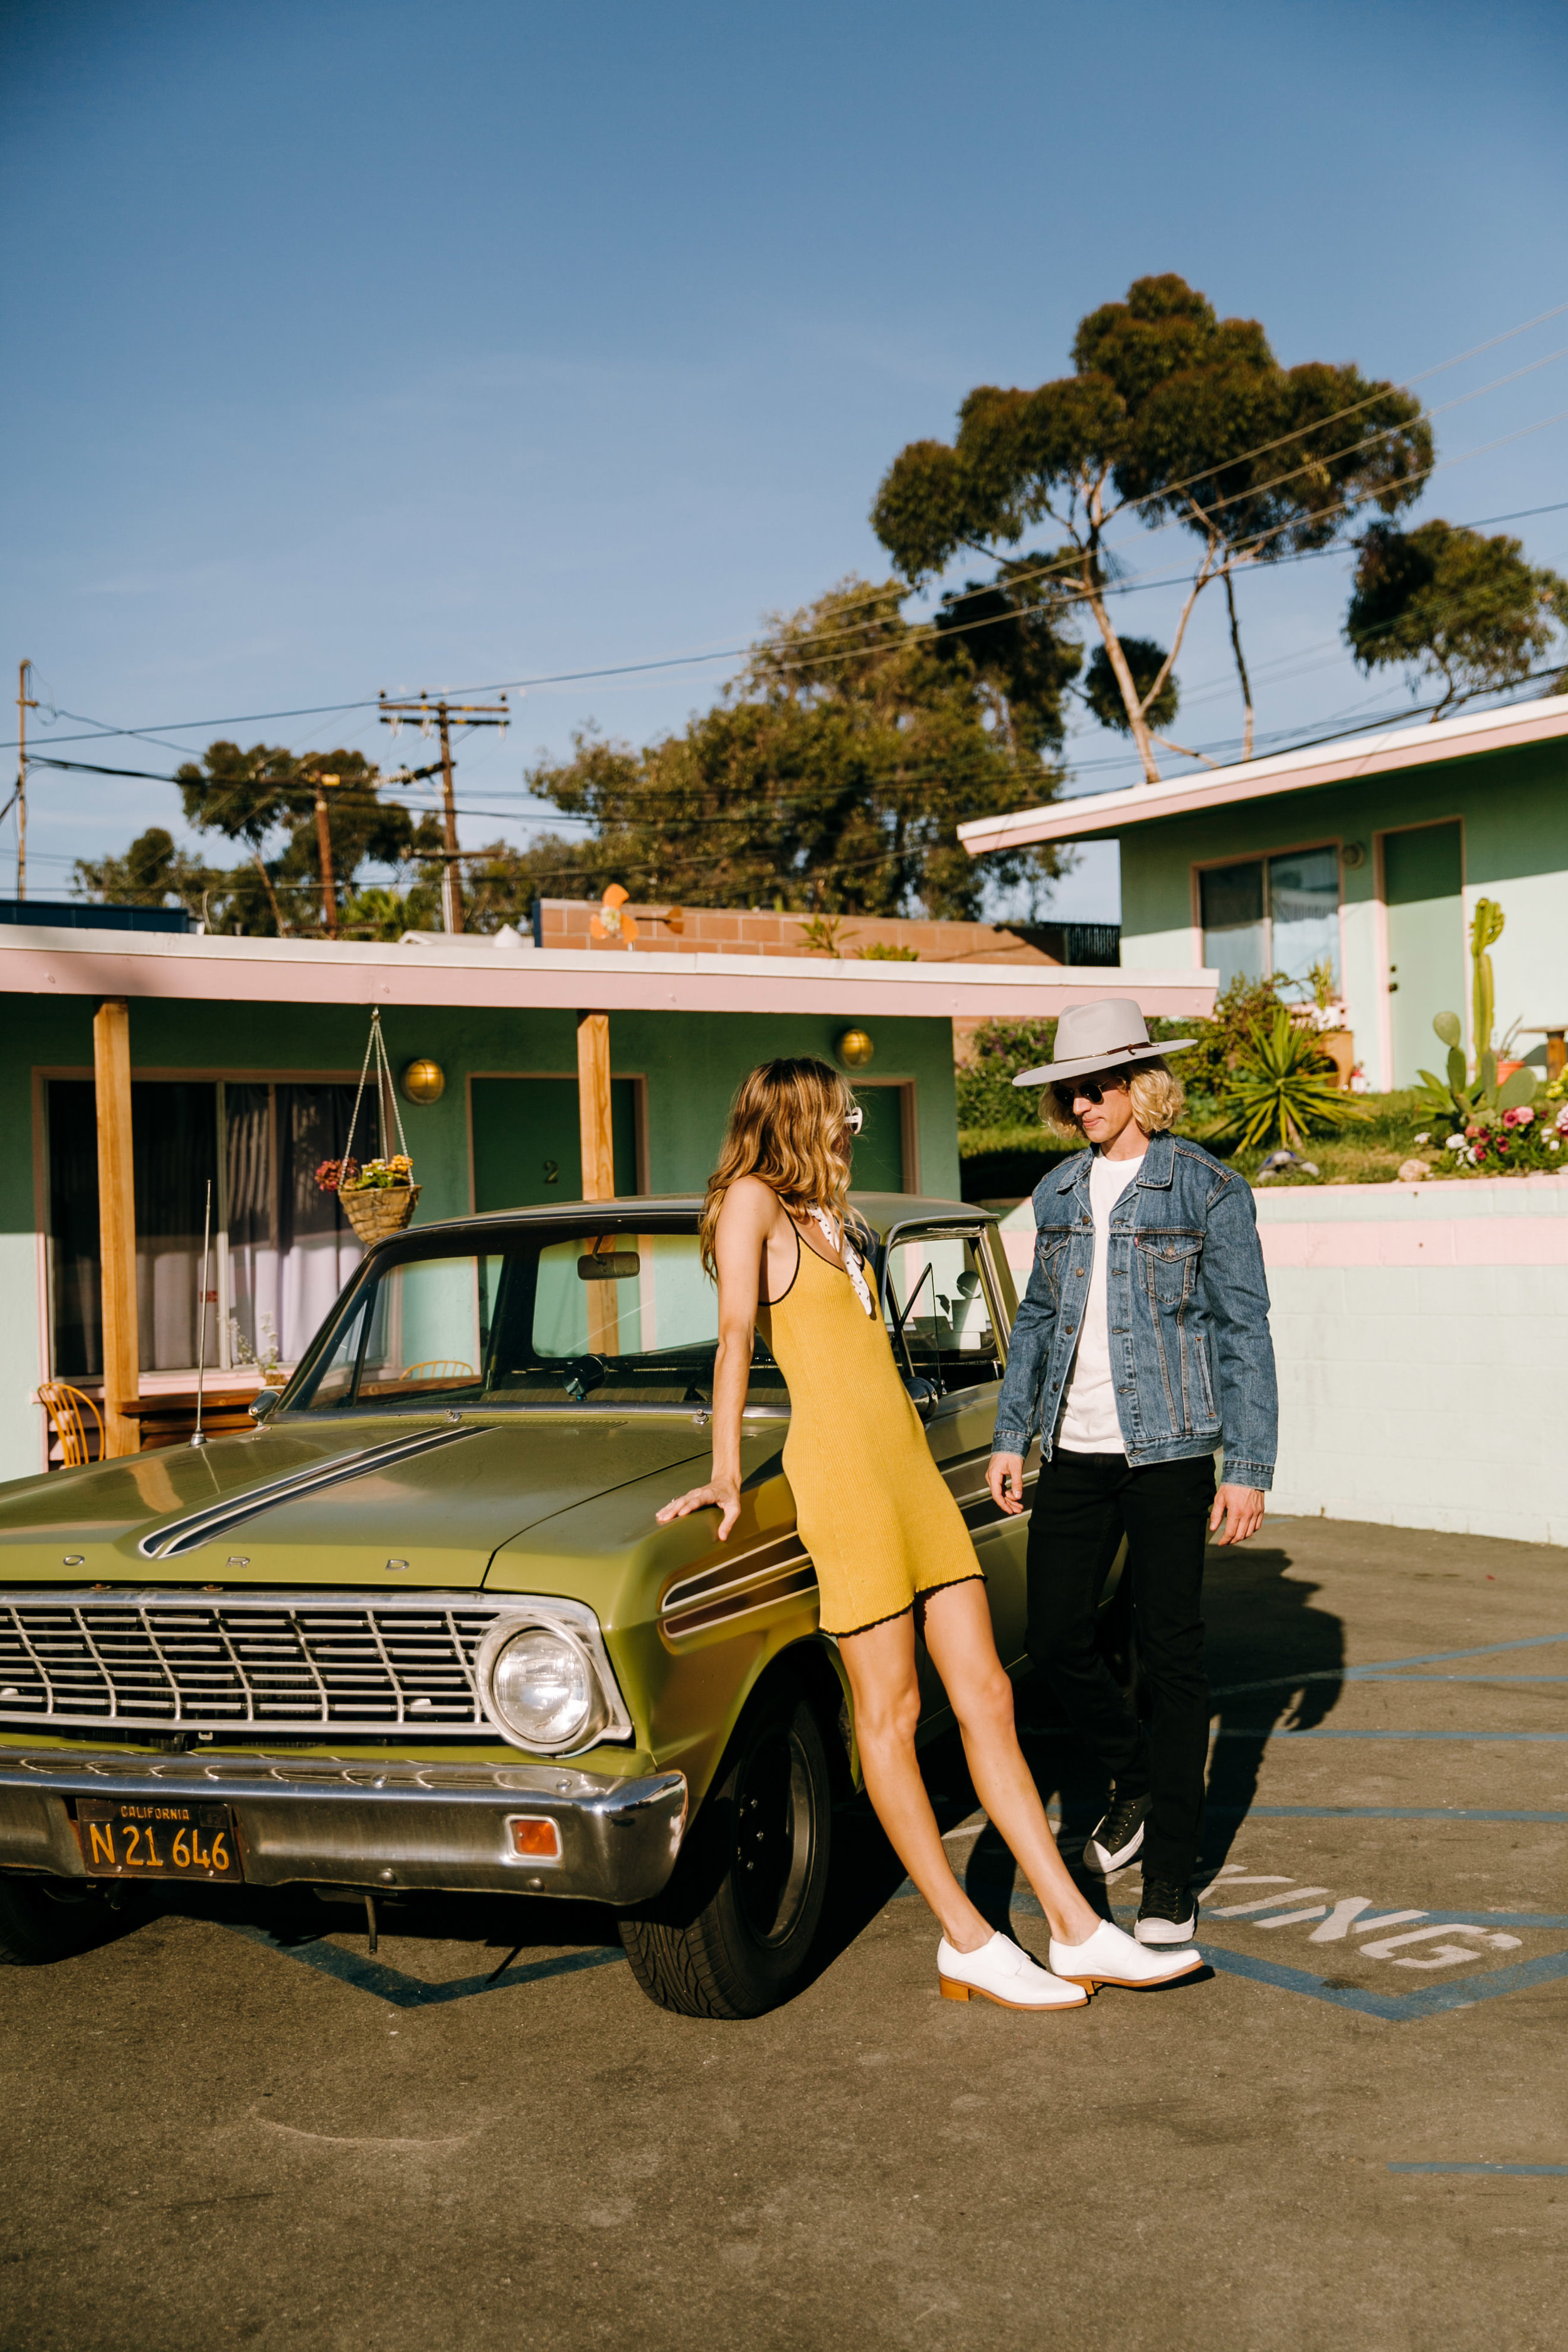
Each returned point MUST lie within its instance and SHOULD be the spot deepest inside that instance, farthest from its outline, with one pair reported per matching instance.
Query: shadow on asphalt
(1261, 1624)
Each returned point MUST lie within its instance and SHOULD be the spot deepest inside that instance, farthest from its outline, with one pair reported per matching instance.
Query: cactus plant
(1455, 1097)
(1486, 929)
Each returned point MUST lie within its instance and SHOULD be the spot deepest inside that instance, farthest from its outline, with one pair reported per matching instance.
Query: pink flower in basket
(1520, 1115)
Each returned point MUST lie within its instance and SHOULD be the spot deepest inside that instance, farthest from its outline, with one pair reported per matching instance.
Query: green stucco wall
(690, 1063)
(1513, 806)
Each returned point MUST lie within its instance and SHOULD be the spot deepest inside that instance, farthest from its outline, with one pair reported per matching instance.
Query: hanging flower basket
(377, 1209)
(378, 1197)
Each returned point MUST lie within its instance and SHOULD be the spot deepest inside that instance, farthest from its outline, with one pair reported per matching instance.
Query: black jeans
(1083, 1505)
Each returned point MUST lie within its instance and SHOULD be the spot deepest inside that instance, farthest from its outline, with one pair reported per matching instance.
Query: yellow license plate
(129, 1839)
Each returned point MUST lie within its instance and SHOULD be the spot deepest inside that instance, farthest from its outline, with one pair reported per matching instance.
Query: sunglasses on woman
(1089, 1090)
(855, 1119)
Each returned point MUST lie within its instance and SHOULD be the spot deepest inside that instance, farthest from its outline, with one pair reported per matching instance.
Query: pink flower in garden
(1520, 1117)
(1561, 1121)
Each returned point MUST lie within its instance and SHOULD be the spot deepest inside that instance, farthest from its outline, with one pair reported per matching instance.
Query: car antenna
(201, 1436)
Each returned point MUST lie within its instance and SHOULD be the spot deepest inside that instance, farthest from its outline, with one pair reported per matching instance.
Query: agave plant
(1280, 1091)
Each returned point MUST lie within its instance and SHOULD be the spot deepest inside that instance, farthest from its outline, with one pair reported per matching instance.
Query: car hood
(368, 1501)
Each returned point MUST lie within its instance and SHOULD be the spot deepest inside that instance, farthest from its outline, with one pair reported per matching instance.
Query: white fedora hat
(1106, 1036)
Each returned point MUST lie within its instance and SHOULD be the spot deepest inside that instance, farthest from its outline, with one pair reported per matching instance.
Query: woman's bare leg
(957, 1629)
(881, 1663)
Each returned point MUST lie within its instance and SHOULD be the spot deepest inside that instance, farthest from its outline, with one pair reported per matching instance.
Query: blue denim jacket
(1188, 1305)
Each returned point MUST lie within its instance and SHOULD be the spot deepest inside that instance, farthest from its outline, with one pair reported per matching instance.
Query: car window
(559, 1312)
(939, 1315)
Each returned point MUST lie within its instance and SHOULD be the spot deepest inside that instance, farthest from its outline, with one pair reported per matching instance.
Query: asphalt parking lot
(231, 2125)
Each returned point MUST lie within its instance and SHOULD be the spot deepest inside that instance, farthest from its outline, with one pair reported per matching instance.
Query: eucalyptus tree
(1172, 414)
(1448, 603)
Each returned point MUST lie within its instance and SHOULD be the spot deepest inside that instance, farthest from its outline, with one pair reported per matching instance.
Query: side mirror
(263, 1402)
(921, 1395)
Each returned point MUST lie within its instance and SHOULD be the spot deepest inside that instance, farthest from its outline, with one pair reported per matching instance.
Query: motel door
(1423, 890)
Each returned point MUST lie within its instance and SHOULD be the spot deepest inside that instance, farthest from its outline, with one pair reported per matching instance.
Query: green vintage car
(419, 1630)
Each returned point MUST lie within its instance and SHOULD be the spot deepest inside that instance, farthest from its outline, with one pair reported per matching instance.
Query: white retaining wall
(1421, 1332)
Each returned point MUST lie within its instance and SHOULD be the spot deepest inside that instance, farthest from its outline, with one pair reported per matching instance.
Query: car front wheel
(732, 1935)
(48, 1919)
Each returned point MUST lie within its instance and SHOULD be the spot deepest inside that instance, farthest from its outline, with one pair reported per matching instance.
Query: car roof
(881, 1211)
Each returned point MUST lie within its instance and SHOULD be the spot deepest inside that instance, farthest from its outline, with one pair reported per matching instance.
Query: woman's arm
(750, 1209)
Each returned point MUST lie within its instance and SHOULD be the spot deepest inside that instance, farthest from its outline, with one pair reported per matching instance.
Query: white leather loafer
(1001, 1972)
(1109, 1958)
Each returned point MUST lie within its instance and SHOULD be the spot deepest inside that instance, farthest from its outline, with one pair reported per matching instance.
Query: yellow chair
(439, 1368)
(66, 1407)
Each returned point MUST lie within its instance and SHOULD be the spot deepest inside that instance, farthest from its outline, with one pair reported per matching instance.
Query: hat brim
(1083, 1065)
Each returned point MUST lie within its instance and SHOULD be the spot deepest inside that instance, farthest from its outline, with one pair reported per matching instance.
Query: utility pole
(24, 704)
(467, 714)
(324, 845)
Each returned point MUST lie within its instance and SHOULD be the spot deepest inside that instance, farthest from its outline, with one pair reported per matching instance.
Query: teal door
(877, 1164)
(527, 1150)
(1423, 890)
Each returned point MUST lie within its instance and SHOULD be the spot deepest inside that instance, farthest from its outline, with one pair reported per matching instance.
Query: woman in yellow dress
(887, 1538)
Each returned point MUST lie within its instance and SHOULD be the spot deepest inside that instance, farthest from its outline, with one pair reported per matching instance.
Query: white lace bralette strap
(848, 1256)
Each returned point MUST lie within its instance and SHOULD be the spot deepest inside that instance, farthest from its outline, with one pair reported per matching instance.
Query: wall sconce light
(854, 1048)
(1353, 853)
(423, 1081)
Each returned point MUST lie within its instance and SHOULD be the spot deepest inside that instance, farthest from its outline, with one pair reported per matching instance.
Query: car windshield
(552, 1315)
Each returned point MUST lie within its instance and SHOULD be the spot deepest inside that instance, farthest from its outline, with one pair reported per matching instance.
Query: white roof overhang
(64, 962)
(1344, 760)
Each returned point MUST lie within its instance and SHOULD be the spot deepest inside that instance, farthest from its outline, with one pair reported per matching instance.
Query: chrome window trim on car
(983, 1232)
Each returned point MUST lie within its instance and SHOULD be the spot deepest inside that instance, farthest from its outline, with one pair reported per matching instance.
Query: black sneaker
(1168, 1913)
(1117, 1836)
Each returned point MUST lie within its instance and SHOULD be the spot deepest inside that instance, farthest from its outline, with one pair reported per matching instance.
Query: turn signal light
(535, 1836)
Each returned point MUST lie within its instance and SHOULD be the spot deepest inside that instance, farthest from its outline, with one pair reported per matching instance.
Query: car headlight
(542, 1686)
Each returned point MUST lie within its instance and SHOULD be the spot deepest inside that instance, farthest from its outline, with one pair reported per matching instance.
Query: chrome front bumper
(370, 1826)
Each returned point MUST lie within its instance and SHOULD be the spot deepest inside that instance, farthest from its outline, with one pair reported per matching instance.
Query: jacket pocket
(1050, 1260)
(1168, 1263)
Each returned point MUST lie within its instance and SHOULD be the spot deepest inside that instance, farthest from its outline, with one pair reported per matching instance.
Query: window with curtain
(281, 1248)
(1272, 915)
(291, 1248)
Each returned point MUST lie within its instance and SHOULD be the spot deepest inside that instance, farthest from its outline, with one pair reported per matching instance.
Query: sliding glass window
(1269, 915)
(281, 1247)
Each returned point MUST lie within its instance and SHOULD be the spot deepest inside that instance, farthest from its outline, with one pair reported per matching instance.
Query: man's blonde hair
(1155, 1092)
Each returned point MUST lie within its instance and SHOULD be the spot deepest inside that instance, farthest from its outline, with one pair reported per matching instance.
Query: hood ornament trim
(177, 1536)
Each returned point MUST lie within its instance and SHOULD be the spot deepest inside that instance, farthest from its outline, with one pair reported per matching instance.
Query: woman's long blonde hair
(784, 1122)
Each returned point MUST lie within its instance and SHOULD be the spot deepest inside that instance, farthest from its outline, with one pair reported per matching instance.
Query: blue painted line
(412, 1992)
(1472, 1738)
(1533, 2171)
(1379, 1813)
(1382, 1666)
(1393, 2009)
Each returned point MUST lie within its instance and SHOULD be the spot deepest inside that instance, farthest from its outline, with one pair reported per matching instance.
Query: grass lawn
(1007, 1162)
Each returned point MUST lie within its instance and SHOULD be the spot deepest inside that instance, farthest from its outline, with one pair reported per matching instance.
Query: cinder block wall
(737, 931)
(1421, 1334)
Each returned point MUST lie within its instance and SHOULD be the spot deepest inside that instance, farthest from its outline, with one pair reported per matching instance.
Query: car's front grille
(170, 1661)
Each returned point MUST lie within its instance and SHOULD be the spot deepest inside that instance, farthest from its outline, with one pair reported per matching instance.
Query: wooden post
(598, 1163)
(116, 1223)
(593, 1106)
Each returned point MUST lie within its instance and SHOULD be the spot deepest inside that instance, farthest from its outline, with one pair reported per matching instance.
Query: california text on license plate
(132, 1840)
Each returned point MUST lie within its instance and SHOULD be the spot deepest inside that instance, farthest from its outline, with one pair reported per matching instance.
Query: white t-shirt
(1090, 1421)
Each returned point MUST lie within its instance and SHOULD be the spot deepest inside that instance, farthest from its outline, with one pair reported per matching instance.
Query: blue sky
(410, 345)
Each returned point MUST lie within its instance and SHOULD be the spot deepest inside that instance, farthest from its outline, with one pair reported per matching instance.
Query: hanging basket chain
(376, 1047)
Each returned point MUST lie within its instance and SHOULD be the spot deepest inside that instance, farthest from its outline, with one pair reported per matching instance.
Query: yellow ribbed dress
(873, 1509)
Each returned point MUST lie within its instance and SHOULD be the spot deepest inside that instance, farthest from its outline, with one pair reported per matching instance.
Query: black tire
(732, 1935)
(46, 1919)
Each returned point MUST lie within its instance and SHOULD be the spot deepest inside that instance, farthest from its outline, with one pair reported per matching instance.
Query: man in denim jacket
(1141, 1348)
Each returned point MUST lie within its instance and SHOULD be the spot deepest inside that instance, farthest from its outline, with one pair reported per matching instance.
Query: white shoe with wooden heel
(1109, 1958)
(1001, 1972)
